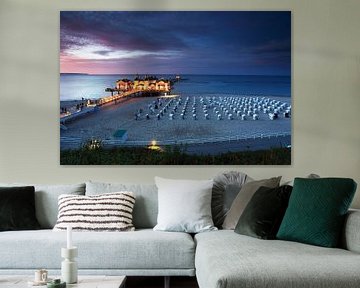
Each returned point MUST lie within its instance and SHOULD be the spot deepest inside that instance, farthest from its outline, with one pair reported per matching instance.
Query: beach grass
(171, 155)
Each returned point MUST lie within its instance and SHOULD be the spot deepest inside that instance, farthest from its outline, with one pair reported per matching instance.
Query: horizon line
(180, 74)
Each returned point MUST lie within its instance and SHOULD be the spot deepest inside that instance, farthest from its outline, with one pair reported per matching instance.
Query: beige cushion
(243, 198)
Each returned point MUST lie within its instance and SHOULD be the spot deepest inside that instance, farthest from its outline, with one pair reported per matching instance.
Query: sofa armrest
(351, 234)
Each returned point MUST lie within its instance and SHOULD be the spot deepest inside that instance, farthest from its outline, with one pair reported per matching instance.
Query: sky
(210, 43)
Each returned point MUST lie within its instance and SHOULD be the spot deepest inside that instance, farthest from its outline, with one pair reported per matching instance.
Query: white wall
(326, 91)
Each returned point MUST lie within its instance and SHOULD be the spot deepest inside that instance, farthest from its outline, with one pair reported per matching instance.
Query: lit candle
(69, 237)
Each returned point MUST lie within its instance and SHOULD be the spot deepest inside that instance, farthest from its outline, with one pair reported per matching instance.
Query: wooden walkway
(117, 97)
(78, 114)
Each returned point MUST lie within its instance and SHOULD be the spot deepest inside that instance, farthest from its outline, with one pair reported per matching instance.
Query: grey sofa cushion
(146, 204)
(226, 259)
(143, 249)
(46, 200)
(225, 189)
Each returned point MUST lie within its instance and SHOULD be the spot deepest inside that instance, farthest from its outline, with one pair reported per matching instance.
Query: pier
(140, 87)
(127, 94)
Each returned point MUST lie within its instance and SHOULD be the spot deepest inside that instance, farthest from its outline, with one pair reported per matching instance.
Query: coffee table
(83, 282)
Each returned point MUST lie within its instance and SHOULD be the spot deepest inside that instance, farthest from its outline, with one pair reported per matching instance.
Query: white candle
(69, 237)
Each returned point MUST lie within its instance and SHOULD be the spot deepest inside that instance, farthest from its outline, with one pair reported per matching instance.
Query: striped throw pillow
(105, 212)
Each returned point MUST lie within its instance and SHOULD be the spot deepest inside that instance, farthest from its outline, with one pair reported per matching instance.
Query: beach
(146, 127)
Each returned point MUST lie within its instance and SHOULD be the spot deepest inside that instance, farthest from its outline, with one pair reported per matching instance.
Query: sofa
(218, 259)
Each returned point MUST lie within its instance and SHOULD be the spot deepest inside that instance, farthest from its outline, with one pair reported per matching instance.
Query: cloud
(118, 30)
(102, 52)
(99, 52)
(208, 40)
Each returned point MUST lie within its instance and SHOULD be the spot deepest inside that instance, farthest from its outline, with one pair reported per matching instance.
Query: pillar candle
(69, 237)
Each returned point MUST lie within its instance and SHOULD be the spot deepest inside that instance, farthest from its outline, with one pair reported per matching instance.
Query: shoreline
(67, 102)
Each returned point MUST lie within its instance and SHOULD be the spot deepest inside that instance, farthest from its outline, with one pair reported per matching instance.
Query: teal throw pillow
(316, 211)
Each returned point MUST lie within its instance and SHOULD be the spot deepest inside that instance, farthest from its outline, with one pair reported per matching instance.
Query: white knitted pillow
(105, 212)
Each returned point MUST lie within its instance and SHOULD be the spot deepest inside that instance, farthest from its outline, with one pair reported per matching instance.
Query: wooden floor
(158, 282)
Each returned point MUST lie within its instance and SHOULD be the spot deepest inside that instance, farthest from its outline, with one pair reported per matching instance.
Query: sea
(78, 86)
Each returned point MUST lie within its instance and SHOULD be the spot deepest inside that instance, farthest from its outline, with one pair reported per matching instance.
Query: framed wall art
(175, 88)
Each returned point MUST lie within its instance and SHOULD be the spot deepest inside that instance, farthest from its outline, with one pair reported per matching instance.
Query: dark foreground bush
(172, 156)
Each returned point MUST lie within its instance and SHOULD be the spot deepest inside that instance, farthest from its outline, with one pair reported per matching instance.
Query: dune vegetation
(171, 155)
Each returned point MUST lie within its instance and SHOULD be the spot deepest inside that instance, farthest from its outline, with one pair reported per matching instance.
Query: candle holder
(69, 270)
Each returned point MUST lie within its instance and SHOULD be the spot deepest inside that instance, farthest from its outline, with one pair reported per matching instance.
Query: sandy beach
(142, 122)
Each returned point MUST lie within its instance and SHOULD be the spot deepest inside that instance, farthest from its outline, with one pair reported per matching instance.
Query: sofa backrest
(351, 235)
(146, 203)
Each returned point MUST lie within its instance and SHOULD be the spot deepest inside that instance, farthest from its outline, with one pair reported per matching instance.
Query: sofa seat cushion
(225, 259)
(142, 249)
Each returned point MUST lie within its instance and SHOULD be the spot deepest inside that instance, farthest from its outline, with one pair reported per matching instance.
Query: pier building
(148, 83)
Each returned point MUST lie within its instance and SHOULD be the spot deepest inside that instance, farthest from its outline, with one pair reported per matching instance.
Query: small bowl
(56, 283)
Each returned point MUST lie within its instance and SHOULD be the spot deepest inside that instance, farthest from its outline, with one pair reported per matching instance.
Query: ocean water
(77, 86)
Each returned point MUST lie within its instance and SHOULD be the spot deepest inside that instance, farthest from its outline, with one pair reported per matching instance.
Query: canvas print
(175, 88)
